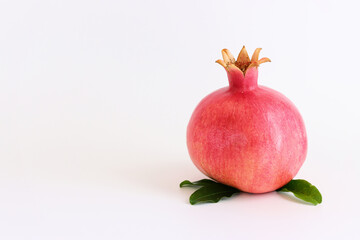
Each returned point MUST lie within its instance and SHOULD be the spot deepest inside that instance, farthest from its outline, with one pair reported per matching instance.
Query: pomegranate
(247, 136)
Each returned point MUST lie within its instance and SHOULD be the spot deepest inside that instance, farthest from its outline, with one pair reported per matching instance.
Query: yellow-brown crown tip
(243, 61)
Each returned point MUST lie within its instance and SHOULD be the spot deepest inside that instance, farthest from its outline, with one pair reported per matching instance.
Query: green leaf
(303, 190)
(212, 194)
(186, 183)
(200, 183)
(209, 191)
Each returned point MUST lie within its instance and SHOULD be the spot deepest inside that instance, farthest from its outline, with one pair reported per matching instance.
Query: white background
(95, 97)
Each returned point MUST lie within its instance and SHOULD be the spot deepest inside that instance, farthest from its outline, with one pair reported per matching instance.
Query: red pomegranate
(247, 136)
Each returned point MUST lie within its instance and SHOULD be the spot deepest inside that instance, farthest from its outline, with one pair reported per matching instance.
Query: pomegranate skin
(247, 136)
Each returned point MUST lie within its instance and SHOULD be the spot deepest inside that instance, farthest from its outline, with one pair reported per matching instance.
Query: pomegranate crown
(243, 62)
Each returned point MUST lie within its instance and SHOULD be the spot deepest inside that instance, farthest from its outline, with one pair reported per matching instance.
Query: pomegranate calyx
(243, 62)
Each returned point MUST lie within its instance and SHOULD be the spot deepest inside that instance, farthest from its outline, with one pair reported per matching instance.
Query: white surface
(95, 97)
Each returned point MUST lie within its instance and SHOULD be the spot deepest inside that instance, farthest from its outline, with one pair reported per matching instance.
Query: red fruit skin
(247, 136)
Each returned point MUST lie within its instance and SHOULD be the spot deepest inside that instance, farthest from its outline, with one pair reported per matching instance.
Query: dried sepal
(227, 56)
(243, 56)
(264, 60)
(230, 56)
(243, 62)
(222, 63)
(255, 56)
